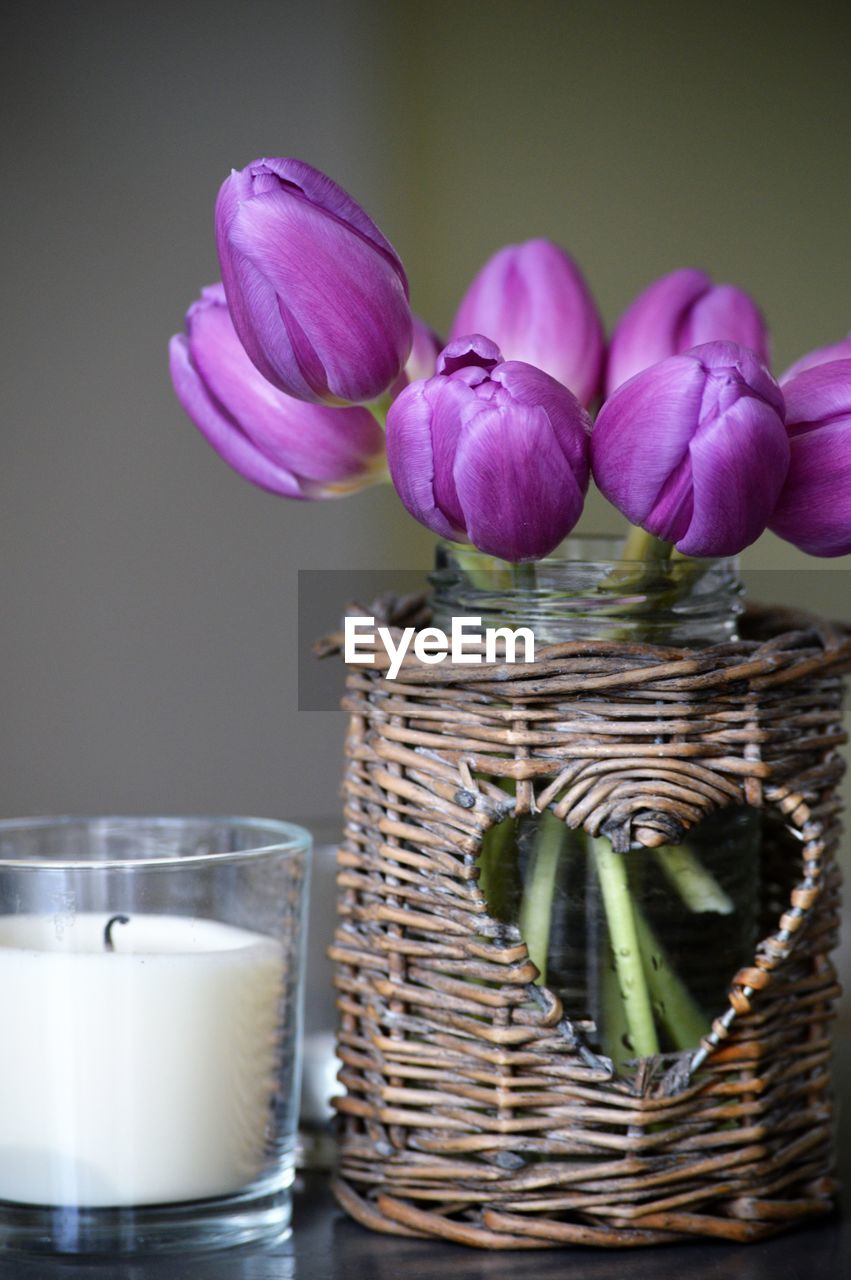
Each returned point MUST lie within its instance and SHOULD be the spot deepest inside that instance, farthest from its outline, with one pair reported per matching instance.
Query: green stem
(485, 573)
(379, 409)
(614, 1031)
(674, 1004)
(536, 909)
(694, 882)
(645, 567)
(641, 545)
(525, 575)
(623, 936)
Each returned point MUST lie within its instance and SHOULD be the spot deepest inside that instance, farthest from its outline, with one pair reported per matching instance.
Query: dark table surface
(325, 1245)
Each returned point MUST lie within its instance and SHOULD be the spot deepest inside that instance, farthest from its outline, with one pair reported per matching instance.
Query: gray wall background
(149, 594)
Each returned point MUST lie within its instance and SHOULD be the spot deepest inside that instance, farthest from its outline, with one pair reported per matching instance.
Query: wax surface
(139, 1076)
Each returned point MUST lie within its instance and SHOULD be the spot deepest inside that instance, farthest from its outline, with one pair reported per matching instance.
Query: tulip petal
(821, 394)
(339, 301)
(642, 436)
(422, 362)
(325, 194)
(740, 369)
(410, 456)
(570, 423)
(814, 511)
(518, 492)
(725, 312)
(285, 445)
(694, 449)
(317, 294)
(534, 302)
(822, 355)
(489, 450)
(223, 432)
(650, 328)
(470, 351)
(251, 299)
(452, 401)
(739, 461)
(313, 441)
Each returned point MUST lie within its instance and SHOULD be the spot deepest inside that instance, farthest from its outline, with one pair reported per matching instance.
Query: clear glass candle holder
(150, 998)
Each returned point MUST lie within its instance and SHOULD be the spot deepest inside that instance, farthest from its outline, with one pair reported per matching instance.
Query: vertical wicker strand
(397, 961)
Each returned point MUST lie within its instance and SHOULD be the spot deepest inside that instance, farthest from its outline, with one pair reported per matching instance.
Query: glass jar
(640, 946)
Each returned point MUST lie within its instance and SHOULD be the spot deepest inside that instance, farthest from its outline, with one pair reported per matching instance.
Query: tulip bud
(821, 355)
(318, 296)
(680, 311)
(814, 511)
(532, 300)
(292, 448)
(694, 449)
(490, 451)
(422, 361)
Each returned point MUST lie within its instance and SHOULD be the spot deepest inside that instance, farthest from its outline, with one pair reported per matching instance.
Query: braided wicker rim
(474, 1112)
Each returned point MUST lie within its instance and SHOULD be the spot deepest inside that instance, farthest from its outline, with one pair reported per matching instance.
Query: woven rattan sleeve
(473, 1110)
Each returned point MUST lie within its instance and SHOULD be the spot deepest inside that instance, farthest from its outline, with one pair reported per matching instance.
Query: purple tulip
(821, 355)
(318, 296)
(680, 311)
(532, 300)
(490, 451)
(291, 448)
(422, 361)
(814, 511)
(694, 449)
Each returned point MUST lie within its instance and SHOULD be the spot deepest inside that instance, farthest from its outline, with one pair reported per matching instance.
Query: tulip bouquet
(307, 371)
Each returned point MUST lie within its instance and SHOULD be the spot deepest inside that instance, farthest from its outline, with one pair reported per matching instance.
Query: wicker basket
(473, 1111)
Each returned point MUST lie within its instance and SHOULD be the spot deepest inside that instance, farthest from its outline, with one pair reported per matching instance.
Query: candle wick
(107, 933)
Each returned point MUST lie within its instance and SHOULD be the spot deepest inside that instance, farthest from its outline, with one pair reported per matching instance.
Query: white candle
(141, 1075)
